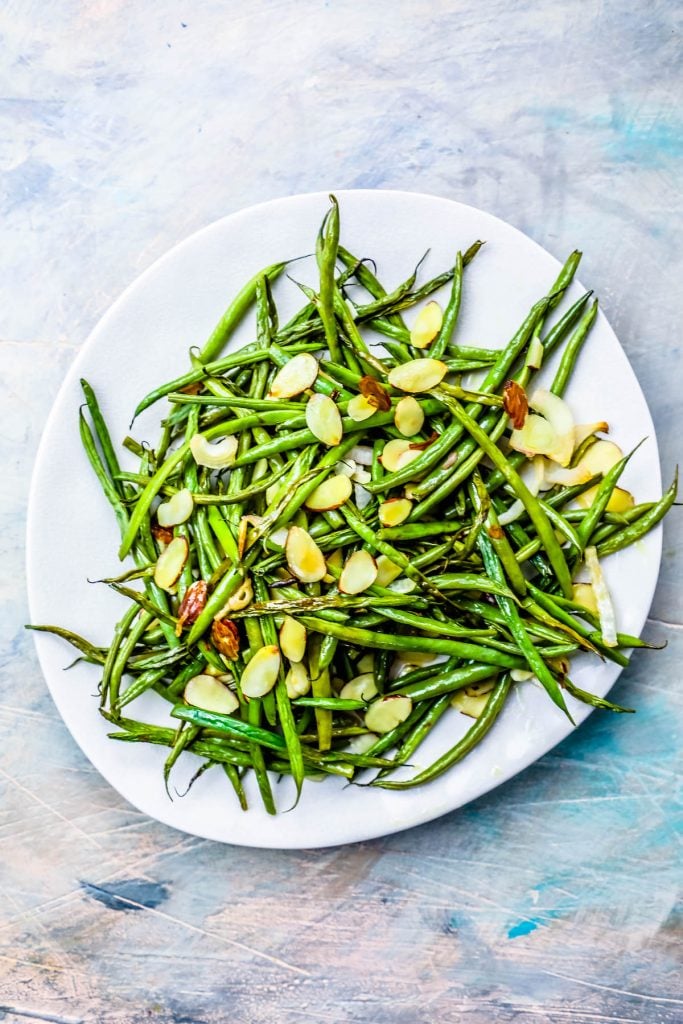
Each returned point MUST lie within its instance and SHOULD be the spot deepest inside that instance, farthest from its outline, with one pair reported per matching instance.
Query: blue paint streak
(523, 928)
(129, 894)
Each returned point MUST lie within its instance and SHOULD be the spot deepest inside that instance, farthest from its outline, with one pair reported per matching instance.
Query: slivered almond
(387, 571)
(427, 325)
(218, 455)
(362, 687)
(391, 453)
(405, 458)
(394, 511)
(207, 692)
(292, 639)
(297, 681)
(295, 376)
(470, 706)
(171, 563)
(371, 389)
(408, 416)
(323, 419)
(359, 408)
(388, 712)
(359, 573)
(261, 672)
(418, 375)
(331, 493)
(304, 557)
(177, 509)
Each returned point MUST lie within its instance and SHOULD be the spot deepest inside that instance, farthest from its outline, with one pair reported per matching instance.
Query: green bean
(450, 316)
(326, 255)
(236, 311)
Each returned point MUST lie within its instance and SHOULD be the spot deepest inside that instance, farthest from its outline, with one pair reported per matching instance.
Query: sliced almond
(361, 744)
(619, 500)
(242, 598)
(365, 664)
(225, 638)
(334, 561)
(323, 419)
(427, 325)
(361, 687)
(296, 376)
(331, 493)
(261, 672)
(292, 639)
(387, 571)
(171, 563)
(216, 455)
(405, 458)
(583, 594)
(207, 692)
(418, 375)
(192, 605)
(359, 573)
(408, 416)
(388, 712)
(297, 681)
(360, 408)
(394, 511)
(177, 509)
(304, 557)
(470, 706)
(601, 457)
(532, 474)
(584, 430)
(391, 453)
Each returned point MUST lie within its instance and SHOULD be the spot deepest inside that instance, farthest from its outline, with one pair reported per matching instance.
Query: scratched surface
(124, 128)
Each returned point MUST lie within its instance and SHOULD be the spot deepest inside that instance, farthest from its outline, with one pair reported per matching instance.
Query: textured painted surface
(124, 128)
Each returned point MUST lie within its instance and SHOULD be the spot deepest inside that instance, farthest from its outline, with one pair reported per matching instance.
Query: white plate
(143, 340)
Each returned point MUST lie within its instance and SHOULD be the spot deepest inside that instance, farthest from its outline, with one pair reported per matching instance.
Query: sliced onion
(216, 455)
(584, 430)
(583, 594)
(532, 476)
(177, 509)
(601, 457)
(608, 625)
(558, 414)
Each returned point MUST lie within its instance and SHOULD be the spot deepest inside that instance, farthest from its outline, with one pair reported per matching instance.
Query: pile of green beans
(491, 602)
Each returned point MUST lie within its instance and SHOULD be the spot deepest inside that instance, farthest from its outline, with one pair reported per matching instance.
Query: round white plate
(144, 339)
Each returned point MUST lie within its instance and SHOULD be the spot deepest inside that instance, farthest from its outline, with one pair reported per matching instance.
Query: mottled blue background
(124, 127)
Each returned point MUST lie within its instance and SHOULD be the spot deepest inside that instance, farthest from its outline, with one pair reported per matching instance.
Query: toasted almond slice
(470, 706)
(323, 419)
(217, 455)
(361, 687)
(408, 416)
(394, 511)
(295, 376)
(331, 493)
(361, 744)
(418, 375)
(583, 594)
(297, 681)
(177, 509)
(359, 573)
(261, 672)
(601, 457)
(391, 453)
(619, 500)
(359, 408)
(608, 624)
(559, 415)
(292, 639)
(405, 458)
(387, 571)
(427, 325)
(171, 563)
(206, 692)
(584, 430)
(304, 557)
(388, 712)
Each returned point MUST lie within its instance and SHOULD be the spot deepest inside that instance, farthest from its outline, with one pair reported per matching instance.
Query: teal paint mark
(523, 928)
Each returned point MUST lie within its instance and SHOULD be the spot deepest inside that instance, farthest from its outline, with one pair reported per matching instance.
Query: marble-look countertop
(125, 127)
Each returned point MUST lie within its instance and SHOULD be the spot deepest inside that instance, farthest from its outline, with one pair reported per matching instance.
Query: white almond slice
(584, 430)
(362, 454)
(583, 594)
(601, 457)
(296, 376)
(177, 509)
(361, 687)
(619, 500)
(391, 453)
(394, 511)
(361, 744)
(408, 416)
(213, 456)
(292, 639)
(470, 706)
(388, 712)
(209, 694)
(387, 571)
(559, 415)
(304, 557)
(427, 325)
(171, 563)
(260, 675)
(359, 573)
(521, 675)
(297, 681)
(323, 419)
(418, 375)
(360, 409)
(405, 458)
(608, 625)
(331, 493)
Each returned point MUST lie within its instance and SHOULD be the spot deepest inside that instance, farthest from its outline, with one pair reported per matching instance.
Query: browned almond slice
(359, 408)
(394, 511)
(392, 452)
